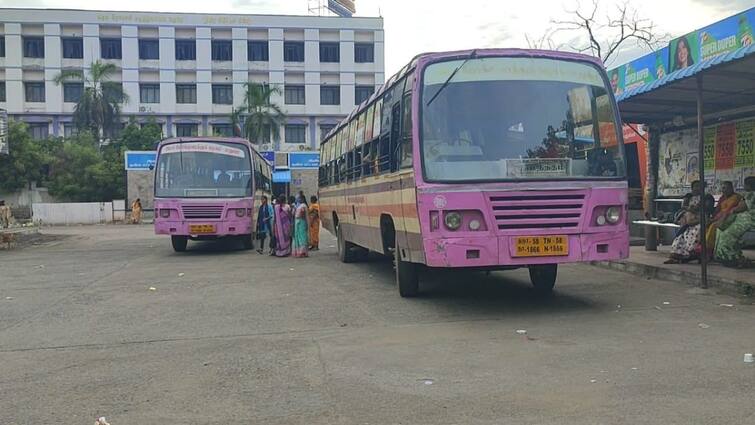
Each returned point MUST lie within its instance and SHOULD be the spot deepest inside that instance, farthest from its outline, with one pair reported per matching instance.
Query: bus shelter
(701, 119)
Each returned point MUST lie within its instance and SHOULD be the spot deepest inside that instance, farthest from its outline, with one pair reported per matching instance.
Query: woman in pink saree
(282, 228)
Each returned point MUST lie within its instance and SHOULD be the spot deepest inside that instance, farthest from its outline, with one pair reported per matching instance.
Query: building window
(39, 130)
(187, 130)
(35, 92)
(258, 51)
(69, 130)
(149, 93)
(296, 133)
(362, 93)
(186, 50)
(222, 50)
(293, 51)
(2, 91)
(222, 94)
(223, 130)
(2, 47)
(34, 47)
(73, 48)
(110, 48)
(325, 129)
(330, 95)
(294, 95)
(72, 92)
(364, 52)
(113, 89)
(149, 49)
(330, 52)
(186, 93)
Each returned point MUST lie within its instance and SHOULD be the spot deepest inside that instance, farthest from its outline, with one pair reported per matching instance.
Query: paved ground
(242, 338)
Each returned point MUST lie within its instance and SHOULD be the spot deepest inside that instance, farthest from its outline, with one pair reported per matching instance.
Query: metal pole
(701, 164)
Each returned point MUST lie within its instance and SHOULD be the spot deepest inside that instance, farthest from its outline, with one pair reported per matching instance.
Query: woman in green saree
(729, 234)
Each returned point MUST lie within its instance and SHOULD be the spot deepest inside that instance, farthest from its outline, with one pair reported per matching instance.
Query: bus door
(398, 183)
(408, 191)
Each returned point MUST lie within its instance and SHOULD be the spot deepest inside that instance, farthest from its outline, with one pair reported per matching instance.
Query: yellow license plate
(541, 246)
(196, 229)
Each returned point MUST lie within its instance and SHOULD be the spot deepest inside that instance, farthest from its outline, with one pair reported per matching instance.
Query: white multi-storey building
(187, 71)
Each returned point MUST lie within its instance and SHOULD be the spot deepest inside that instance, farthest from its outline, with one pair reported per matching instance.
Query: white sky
(414, 26)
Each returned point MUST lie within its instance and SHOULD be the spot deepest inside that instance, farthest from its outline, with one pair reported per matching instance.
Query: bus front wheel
(543, 277)
(407, 276)
(179, 243)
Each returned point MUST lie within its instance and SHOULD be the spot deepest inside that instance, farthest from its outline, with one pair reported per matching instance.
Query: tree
(261, 117)
(601, 34)
(134, 138)
(99, 107)
(27, 161)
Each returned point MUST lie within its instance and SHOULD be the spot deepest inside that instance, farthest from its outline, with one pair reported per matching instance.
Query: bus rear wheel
(179, 243)
(345, 248)
(407, 275)
(543, 277)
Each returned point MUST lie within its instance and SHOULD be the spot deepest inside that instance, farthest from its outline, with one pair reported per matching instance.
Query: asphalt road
(234, 337)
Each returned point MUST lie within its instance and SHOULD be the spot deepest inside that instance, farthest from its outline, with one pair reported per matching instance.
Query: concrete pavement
(243, 338)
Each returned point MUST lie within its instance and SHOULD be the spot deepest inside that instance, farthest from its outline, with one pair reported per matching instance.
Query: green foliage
(99, 108)
(134, 138)
(261, 117)
(27, 162)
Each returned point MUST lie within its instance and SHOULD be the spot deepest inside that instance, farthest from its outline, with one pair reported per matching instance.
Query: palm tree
(99, 107)
(260, 116)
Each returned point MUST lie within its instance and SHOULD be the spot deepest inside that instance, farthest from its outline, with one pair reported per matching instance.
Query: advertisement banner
(646, 69)
(684, 51)
(269, 156)
(139, 160)
(727, 35)
(616, 78)
(745, 155)
(726, 143)
(303, 160)
(709, 135)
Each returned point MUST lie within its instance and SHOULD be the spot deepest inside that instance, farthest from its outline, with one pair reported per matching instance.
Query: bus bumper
(219, 228)
(486, 251)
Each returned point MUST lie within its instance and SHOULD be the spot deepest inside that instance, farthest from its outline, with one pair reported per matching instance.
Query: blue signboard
(139, 160)
(282, 176)
(269, 156)
(304, 160)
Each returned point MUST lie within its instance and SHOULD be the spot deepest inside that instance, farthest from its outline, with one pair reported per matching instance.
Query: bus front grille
(534, 211)
(202, 211)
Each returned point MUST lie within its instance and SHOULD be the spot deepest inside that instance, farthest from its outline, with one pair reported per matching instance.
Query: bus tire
(345, 248)
(248, 241)
(543, 277)
(179, 243)
(407, 276)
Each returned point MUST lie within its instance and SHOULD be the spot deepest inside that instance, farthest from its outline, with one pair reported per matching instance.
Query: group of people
(292, 226)
(727, 223)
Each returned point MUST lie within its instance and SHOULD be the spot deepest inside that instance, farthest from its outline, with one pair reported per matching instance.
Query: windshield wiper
(472, 55)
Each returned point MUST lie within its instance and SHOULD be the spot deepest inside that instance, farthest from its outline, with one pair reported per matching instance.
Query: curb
(723, 285)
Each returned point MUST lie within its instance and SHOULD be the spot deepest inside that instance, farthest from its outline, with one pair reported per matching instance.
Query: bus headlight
(613, 214)
(240, 212)
(452, 220)
(474, 225)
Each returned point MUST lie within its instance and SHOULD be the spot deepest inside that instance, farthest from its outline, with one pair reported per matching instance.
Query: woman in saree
(314, 224)
(136, 211)
(729, 234)
(728, 201)
(282, 225)
(301, 229)
(685, 247)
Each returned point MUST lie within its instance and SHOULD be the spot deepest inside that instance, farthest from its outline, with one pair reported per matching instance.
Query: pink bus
(481, 159)
(208, 188)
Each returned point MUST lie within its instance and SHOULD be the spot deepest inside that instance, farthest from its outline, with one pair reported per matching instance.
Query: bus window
(395, 134)
(406, 132)
(376, 120)
(368, 124)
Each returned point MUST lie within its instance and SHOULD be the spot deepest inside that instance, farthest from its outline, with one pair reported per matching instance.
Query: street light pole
(701, 172)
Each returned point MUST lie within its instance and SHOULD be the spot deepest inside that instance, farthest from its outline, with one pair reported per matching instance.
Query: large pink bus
(481, 159)
(208, 188)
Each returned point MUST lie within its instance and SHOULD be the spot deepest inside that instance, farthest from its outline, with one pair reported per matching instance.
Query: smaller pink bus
(208, 188)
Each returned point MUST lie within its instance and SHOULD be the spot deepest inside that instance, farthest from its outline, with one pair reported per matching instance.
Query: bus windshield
(509, 118)
(203, 170)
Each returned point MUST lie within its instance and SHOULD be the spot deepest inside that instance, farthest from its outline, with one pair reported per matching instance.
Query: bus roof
(431, 56)
(204, 139)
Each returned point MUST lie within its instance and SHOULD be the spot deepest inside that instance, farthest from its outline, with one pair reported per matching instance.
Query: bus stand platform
(722, 279)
